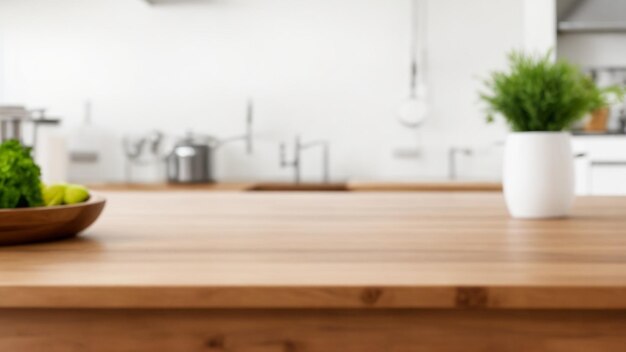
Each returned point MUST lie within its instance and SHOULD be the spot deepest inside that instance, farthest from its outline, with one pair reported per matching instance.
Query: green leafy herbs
(539, 94)
(20, 184)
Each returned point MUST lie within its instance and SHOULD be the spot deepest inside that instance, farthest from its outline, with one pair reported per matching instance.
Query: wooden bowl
(27, 225)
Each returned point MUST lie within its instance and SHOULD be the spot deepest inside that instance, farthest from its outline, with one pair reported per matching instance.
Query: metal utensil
(414, 109)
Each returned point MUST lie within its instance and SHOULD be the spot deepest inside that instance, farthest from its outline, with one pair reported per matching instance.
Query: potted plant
(540, 98)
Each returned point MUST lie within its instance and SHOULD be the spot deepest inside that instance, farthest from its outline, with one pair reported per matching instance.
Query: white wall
(1, 67)
(325, 69)
(540, 25)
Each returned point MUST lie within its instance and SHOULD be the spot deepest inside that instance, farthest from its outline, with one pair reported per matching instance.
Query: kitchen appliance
(590, 16)
(191, 160)
(13, 120)
(48, 149)
(87, 145)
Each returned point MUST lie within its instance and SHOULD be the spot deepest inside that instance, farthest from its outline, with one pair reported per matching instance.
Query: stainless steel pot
(12, 119)
(191, 161)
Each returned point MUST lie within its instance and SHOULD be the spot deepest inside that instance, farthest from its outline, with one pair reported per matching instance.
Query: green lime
(75, 194)
(53, 195)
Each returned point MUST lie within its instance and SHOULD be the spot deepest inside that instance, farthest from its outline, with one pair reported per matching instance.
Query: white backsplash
(326, 69)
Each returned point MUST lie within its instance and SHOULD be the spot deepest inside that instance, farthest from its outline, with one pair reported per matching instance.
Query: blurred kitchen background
(277, 86)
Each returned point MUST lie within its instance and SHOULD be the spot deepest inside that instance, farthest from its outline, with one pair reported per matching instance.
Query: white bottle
(52, 157)
(85, 147)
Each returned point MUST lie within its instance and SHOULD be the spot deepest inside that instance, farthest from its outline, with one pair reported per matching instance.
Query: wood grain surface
(325, 250)
(310, 331)
(172, 187)
(357, 186)
(425, 186)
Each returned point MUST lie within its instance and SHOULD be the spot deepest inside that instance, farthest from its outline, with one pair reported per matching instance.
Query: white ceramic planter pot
(538, 177)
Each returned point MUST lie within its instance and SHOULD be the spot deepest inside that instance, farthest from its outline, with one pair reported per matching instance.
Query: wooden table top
(325, 250)
(172, 187)
(358, 186)
(421, 186)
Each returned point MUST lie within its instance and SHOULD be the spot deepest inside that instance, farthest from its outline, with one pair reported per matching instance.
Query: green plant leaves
(541, 95)
(20, 184)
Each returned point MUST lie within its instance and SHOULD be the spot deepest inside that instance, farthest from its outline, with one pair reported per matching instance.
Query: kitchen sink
(299, 187)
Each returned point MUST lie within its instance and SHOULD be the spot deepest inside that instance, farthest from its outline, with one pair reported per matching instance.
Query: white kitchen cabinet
(600, 165)
(608, 179)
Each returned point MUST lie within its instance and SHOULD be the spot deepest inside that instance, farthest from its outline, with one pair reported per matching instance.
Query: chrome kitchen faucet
(296, 162)
(452, 155)
(248, 136)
